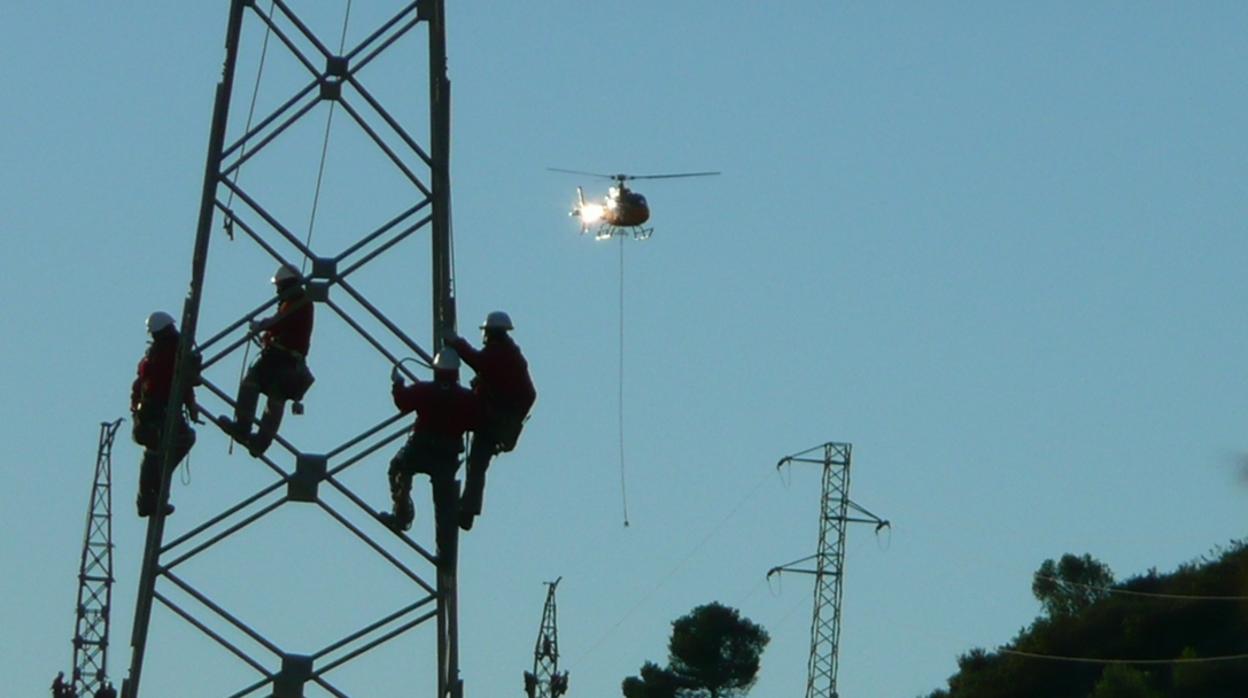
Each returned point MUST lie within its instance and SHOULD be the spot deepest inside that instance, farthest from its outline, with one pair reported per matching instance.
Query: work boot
(238, 431)
(393, 522)
(147, 507)
(465, 519)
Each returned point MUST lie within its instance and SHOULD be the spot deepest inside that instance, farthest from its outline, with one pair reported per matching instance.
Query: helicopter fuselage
(625, 208)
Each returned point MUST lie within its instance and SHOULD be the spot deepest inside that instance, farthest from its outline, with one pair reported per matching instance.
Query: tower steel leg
(190, 318)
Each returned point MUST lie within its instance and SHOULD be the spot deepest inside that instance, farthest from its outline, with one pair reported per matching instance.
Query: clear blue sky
(999, 248)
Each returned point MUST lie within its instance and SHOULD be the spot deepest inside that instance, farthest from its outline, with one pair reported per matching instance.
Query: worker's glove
(396, 378)
(254, 326)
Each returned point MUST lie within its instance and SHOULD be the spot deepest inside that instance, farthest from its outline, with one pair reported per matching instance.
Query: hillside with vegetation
(1182, 635)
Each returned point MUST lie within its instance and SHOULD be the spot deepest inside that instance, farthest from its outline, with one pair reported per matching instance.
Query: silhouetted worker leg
(149, 470)
(484, 448)
(268, 375)
(402, 467)
(445, 510)
(270, 421)
(245, 405)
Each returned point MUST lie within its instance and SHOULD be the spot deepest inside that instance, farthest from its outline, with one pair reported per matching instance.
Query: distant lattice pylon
(95, 574)
(545, 681)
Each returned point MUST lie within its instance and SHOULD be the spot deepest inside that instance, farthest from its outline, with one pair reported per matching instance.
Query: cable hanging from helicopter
(622, 211)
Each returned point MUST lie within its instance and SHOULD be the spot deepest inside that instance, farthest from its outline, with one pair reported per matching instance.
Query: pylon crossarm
(879, 522)
(220, 640)
(786, 566)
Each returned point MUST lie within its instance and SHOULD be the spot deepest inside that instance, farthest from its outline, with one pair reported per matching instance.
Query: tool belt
(292, 376)
(505, 427)
(149, 421)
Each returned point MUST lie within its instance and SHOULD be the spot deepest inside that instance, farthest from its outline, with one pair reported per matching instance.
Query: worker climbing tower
(829, 562)
(223, 595)
(545, 681)
(95, 574)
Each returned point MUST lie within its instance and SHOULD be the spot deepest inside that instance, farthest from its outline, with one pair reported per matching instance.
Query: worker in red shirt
(149, 400)
(506, 391)
(445, 410)
(281, 372)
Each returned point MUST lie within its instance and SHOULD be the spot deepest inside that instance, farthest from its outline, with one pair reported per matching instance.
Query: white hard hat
(446, 360)
(158, 321)
(284, 273)
(497, 320)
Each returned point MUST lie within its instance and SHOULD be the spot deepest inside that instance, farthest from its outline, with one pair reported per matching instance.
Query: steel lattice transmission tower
(545, 681)
(324, 75)
(95, 574)
(829, 562)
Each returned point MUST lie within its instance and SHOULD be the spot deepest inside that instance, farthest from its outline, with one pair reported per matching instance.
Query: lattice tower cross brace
(545, 681)
(829, 568)
(95, 574)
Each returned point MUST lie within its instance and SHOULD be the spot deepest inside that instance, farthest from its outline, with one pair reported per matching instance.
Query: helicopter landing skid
(606, 231)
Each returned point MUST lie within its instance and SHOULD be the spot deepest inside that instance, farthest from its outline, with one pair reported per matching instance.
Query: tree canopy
(713, 653)
(1171, 622)
(1071, 585)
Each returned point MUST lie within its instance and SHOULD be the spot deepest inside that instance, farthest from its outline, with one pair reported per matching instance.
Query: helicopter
(623, 211)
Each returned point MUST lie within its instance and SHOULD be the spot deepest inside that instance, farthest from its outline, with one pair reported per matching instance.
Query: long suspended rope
(623, 485)
(229, 222)
(251, 113)
(320, 170)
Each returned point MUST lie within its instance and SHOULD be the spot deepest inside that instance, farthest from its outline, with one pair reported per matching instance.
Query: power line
(1143, 594)
(1101, 660)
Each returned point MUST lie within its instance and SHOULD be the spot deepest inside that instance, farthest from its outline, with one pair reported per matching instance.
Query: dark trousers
(148, 432)
(437, 458)
(499, 434)
(271, 374)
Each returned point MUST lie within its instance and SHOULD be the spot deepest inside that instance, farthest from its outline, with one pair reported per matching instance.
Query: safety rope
(251, 112)
(320, 171)
(623, 485)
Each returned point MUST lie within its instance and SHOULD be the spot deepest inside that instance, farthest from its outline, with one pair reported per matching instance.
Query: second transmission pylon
(829, 562)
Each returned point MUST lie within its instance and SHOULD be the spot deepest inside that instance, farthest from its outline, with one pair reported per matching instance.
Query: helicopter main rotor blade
(670, 176)
(582, 172)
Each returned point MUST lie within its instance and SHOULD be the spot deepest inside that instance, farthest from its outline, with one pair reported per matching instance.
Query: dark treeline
(1087, 615)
